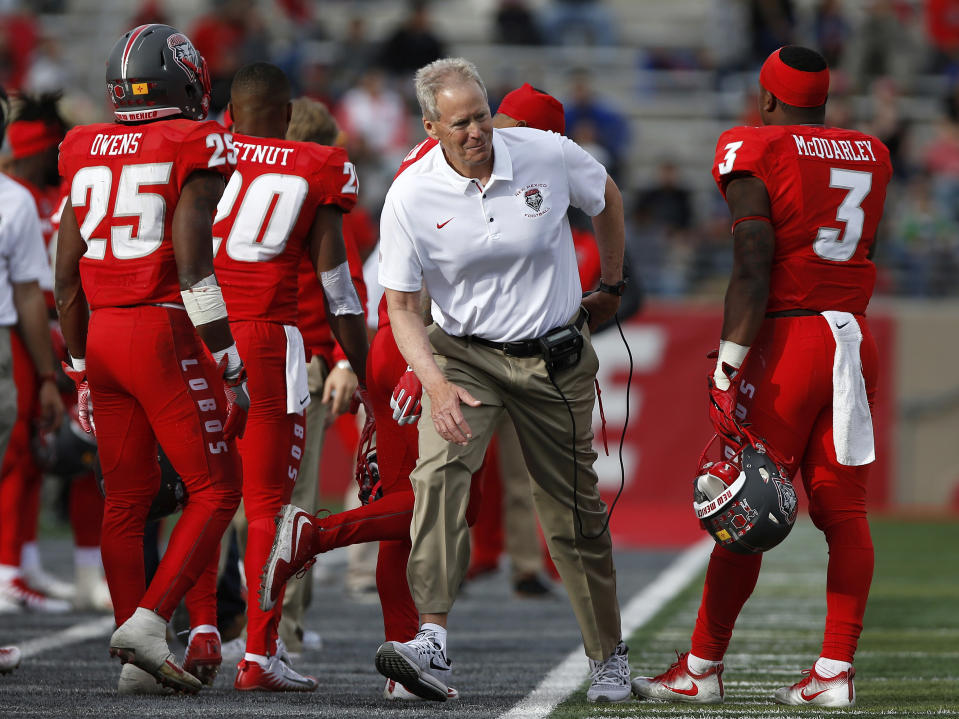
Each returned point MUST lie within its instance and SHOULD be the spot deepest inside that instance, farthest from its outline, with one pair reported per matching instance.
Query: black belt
(792, 313)
(523, 348)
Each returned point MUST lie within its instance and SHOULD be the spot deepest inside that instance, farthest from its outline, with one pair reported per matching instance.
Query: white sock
(699, 666)
(8, 572)
(29, 556)
(258, 658)
(86, 557)
(203, 629)
(829, 668)
(439, 631)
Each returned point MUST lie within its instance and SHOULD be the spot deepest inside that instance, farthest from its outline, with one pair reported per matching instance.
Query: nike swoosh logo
(691, 692)
(839, 327)
(441, 226)
(810, 697)
(305, 397)
(301, 522)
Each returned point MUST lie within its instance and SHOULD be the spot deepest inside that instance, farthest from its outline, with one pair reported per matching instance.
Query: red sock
(848, 579)
(401, 621)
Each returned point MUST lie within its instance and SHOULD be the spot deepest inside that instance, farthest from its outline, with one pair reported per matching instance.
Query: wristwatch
(343, 364)
(616, 289)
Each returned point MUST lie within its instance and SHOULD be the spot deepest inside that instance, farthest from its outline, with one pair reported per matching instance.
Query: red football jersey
(125, 181)
(265, 216)
(827, 187)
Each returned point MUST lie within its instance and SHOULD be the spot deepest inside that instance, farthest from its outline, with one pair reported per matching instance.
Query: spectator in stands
(19, 35)
(832, 31)
(584, 22)
(941, 161)
(886, 122)
(611, 129)
(229, 36)
(772, 24)
(515, 24)
(355, 53)
(942, 29)
(413, 43)
(880, 33)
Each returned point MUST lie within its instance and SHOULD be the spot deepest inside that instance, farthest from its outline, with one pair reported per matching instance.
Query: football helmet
(67, 451)
(170, 498)
(153, 72)
(747, 503)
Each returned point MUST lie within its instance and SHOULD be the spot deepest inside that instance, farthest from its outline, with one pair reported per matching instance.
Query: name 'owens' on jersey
(265, 216)
(124, 183)
(827, 187)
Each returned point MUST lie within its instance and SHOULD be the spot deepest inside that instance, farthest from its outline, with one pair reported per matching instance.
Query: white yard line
(71, 635)
(570, 673)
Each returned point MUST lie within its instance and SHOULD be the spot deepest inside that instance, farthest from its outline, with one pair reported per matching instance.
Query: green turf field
(908, 659)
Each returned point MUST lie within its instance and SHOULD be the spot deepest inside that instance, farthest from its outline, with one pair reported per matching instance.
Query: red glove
(367, 469)
(722, 405)
(405, 401)
(84, 407)
(237, 402)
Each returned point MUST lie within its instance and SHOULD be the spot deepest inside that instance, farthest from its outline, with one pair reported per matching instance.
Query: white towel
(851, 420)
(297, 390)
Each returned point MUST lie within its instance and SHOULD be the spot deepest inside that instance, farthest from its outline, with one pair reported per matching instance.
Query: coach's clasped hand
(84, 407)
(601, 306)
(405, 401)
(237, 402)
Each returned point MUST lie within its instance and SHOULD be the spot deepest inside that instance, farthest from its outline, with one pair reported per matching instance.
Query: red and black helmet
(747, 503)
(153, 72)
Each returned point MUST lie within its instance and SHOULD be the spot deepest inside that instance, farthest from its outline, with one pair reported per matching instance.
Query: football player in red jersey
(134, 277)
(797, 359)
(284, 199)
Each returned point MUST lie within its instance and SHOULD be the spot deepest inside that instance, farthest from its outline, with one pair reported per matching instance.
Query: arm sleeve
(740, 151)
(400, 268)
(337, 180)
(28, 257)
(587, 178)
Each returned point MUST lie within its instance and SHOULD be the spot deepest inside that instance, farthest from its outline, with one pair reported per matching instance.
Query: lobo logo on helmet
(788, 502)
(185, 55)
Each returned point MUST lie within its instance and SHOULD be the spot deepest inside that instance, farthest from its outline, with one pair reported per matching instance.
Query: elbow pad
(339, 290)
(204, 302)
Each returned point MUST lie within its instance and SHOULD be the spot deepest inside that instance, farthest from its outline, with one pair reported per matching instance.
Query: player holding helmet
(135, 246)
(797, 359)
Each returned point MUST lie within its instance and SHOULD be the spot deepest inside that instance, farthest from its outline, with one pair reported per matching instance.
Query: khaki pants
(441, 479)
(521, 536)
(299, 591)
(8, 391)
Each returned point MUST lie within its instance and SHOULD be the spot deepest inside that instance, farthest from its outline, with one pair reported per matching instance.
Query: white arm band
(339, 290)
(731, 354)
(204, 302)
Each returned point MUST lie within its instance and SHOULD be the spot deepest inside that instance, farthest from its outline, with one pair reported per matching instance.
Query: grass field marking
(565, 678)
(71, 635)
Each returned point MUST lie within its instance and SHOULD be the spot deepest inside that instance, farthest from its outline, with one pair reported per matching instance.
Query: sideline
(570, 673)
(71, 635)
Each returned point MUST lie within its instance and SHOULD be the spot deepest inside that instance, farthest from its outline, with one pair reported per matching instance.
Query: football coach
(479, 222)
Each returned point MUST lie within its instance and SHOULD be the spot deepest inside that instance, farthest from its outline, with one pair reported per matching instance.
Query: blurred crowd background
(648, 86)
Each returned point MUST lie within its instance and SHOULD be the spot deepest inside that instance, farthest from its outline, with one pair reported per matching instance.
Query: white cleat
(141, 640)
(134, 680)
(16, 591)
(45, 583)
(9, 659)
(679, 684)
(812, 689)
(609, 679)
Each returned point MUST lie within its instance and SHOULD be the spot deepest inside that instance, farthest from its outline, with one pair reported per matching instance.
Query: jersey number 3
(840, 245)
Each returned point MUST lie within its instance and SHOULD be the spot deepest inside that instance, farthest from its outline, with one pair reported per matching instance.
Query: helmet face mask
(154, 71)
(747, 503)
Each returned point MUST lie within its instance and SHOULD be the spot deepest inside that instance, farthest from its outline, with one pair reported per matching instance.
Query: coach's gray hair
(432, 78)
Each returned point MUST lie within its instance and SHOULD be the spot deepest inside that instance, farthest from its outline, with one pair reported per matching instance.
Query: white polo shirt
(22, 255)
(497, 261)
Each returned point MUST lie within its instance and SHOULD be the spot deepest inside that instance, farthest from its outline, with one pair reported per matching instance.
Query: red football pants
(786, 390)
(387, 520)
(20, 478)
(271, 450)
(151, 381)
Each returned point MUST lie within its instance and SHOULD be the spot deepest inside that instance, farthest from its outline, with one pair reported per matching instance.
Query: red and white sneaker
(16, 591)
(812, 689)
(275, 676)
(292, 552)
(9, 659)
(679, 684)
(203, 658)
(394, 691)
